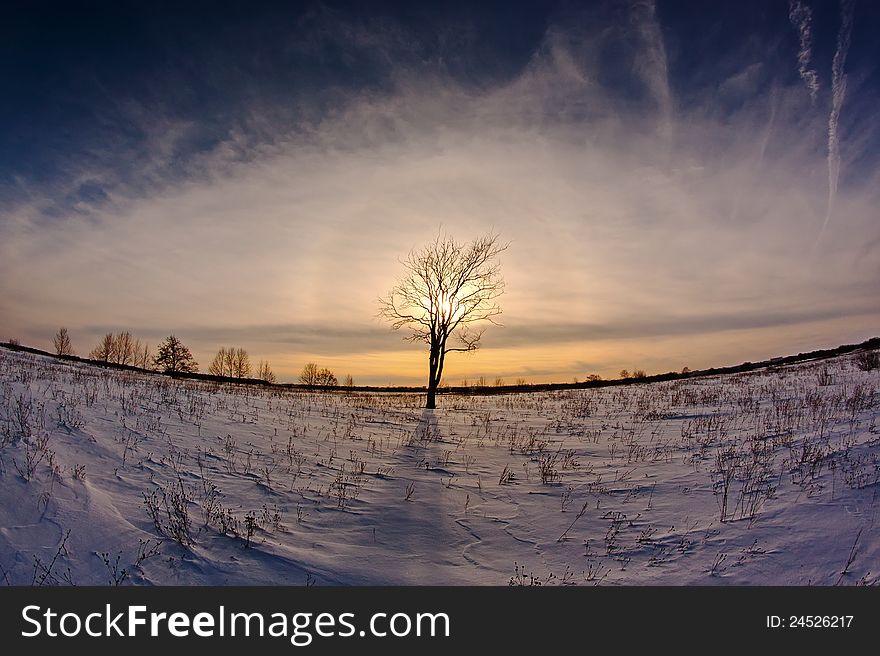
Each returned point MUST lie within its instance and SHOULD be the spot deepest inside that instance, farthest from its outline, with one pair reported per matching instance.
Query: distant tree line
(172, 356)
(231, 362)
(120, 348)
(636, 374)
(234, 362)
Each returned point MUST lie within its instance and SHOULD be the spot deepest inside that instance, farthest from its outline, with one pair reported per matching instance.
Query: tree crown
(173, 357)
(447, 286)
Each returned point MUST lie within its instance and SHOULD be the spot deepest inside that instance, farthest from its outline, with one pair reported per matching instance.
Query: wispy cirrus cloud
(801, 17)
(838, 93)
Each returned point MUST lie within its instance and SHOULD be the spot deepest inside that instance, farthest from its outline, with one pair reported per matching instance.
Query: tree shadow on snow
(424, 538)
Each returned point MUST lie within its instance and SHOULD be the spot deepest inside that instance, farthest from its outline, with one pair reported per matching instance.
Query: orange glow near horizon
(406, 364)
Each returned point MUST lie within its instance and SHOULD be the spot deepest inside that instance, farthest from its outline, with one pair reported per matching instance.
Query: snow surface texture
(112, 477)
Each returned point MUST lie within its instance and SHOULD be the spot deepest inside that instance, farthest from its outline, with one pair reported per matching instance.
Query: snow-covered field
(762, 478)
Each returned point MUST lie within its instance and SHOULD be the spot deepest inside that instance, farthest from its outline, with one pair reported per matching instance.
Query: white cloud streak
(652, 64)
(801, 17)
(838, 93)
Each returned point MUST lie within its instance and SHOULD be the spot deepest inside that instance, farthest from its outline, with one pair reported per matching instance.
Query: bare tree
(446, 289)
(143, 355)
(231, 362)
(313, 375)
(327, 378)
(264, 372)
(241, 363)
(349, 381)
(218, 364)
(174, 357)
(309, 374)
(105, 351)
(62, 342)
(123, 348)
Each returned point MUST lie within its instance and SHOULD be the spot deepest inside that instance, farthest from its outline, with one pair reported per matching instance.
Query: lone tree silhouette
(446, 288)
(61, 342)
(173, 357)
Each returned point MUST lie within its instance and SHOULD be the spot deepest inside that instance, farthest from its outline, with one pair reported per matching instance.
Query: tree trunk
(431, 402)
(438, 373)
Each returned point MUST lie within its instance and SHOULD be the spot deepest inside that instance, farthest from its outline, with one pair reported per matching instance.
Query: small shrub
(168, 508)
(250, 527)
(116, 574)
(868, 360)
(523, 579)
(547, 465)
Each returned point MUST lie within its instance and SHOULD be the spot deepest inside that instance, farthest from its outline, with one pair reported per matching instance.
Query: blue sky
(681, 183)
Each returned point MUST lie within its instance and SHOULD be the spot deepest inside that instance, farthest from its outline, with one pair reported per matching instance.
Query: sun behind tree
(446, 288)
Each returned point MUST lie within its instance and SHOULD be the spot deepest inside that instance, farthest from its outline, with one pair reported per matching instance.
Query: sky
(681, 183)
